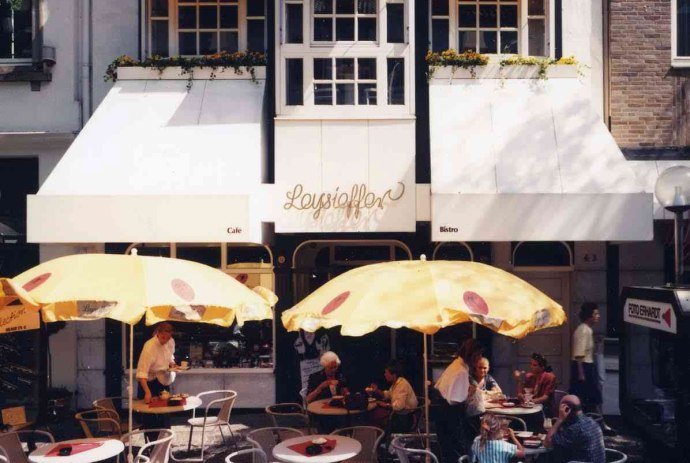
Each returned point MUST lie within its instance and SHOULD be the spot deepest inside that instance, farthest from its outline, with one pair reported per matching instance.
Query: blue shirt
(494, 451)
(580, 439)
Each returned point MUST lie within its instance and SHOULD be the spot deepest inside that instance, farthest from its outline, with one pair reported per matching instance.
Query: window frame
(355, 81)
(522, 27)
(173, 19)
(334, 16)
(32, 58)
(676, 60)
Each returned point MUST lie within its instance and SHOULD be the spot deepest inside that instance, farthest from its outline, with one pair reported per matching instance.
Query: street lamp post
(672, 190)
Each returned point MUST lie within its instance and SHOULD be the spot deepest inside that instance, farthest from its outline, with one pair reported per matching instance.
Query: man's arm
(555, 438)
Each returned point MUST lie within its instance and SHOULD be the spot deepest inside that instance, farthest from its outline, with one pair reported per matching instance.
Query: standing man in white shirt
(157, 357)
(454, 387)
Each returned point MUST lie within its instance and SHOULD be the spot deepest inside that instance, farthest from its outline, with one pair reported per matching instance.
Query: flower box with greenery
(450, 64)
(223, 65)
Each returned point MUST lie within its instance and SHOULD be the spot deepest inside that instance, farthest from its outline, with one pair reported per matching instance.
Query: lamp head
(672, 189)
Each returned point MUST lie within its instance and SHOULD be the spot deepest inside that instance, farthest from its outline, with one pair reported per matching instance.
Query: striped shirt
(494, 451)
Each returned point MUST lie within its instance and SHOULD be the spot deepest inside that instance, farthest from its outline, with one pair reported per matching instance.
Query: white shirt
(155, 359)
(401, 395)
(454, 382)
(583, 343)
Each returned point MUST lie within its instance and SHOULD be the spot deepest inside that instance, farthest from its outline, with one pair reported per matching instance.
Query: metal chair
(222, 419)
(291, 415)
(99, 423)
(113, 412)
(515, 423)
(464, 459)
(158, 450)
(267, 438)
(370, 438)
(615, 456)
(11, 447)
(407, 451)
(258, 455)
(556, 400)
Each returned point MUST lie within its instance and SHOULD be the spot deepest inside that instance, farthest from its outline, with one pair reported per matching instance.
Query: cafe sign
(652, 314)
(18, 318)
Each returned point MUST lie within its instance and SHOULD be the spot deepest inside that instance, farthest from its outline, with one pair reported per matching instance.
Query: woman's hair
(328, 357)
(490, 428)
(469, 350)
(586, 310)
(541, 360)
(163, 326)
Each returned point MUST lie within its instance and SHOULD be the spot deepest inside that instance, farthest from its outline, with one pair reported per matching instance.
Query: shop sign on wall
(652, 314)
(18, 319)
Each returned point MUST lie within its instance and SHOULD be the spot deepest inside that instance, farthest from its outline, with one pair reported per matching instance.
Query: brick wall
(650, 101)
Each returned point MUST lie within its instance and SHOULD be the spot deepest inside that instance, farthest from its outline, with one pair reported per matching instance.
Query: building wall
(650, 100)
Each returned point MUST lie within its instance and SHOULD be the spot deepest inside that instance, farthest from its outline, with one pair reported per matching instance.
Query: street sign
(652, 314)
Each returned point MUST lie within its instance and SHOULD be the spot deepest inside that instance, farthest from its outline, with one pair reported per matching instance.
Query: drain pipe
(606, 7)
(84, 87)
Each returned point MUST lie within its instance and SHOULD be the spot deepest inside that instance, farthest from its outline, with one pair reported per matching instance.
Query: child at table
(489, 446)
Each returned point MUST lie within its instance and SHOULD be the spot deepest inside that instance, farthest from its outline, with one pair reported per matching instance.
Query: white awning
(527, 159)
(159, 163)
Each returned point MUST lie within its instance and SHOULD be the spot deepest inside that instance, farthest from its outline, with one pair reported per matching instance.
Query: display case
(237, 358)
(655, 365)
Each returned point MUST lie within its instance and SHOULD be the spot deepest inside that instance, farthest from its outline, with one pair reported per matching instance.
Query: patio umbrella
(425, 296)
(127, 287)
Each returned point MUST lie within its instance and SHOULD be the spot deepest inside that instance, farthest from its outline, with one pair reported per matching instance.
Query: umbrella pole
(130, 389)
(426, 391)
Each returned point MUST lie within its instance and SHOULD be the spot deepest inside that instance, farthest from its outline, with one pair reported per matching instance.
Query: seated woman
(328, 382)
(489, 446)
(482, 384)
(540, 379)
(397, 403)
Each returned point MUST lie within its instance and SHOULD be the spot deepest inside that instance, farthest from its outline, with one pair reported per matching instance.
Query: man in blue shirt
(575, 436)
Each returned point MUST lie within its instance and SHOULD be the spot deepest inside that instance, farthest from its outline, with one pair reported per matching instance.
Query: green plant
(543, 63)
(466, 60)
(237, 61)
(15, 4)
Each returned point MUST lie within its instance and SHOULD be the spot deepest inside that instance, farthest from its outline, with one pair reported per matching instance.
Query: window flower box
(511, 71)
(196, 73)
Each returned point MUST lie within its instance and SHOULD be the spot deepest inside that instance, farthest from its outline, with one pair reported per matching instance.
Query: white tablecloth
(108, 449)
(345, 448)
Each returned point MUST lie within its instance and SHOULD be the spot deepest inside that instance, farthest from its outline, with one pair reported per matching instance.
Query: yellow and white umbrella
(127, 287)
(425, 296)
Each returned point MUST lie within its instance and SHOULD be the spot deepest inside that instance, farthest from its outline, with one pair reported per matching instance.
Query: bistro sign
(18, 319)
(652, 314)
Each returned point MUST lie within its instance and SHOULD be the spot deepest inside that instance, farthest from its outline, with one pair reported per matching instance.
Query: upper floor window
(344, 20)
(204, 27)
(492, 26)
(681, 33)
(15, 31)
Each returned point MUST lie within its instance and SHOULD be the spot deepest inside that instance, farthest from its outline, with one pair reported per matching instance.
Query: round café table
(345, 448)
(498, 409)
(109, 448)
(140, 406)
(321, 407)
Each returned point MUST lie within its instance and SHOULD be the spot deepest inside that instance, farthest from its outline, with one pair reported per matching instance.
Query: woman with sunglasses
(540, 379)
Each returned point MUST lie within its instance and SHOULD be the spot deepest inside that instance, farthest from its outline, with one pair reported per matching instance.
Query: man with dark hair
(584, 381)
(398, 402)
(575, 436)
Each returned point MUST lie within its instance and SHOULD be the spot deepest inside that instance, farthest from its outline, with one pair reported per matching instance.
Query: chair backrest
(258, 455)
(556, 400)
(267, 438)
(95, 424)
(412, 445)
(109, 410)
(303, 395)
(287, 415)
(515, 423)
(615, 456)
(11, 447)
(155, 451)
(226, 401)
(596, 417)
(464, 459)
(368, 436)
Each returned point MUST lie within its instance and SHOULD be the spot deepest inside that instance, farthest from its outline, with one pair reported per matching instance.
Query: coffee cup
(184, 364)
(165, 395)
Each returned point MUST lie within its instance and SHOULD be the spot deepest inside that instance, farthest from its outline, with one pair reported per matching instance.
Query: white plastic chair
(258, 455)
(291, 415)
(464, 459)
(11, 444)
(226, 403)
(99, 423)
(517, 422)
(160, 448)
(615, 456)
(368, 436)
(267, 438)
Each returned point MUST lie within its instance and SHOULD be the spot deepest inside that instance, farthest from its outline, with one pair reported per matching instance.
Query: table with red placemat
(501, 408)
(160, 406)
(81, 451)
(333, 449)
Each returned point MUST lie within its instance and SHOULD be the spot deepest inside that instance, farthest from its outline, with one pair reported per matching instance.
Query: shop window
(344, 20)
(351, 80)
(203, 27)
(293, 23)
(681, 33)
(491, 26)
(542, 254)
(15, 31)
(294, 78)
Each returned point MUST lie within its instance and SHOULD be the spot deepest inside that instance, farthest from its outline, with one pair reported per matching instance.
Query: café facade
(345, 150)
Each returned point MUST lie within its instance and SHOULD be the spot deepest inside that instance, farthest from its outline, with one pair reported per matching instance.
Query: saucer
(319, 441)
